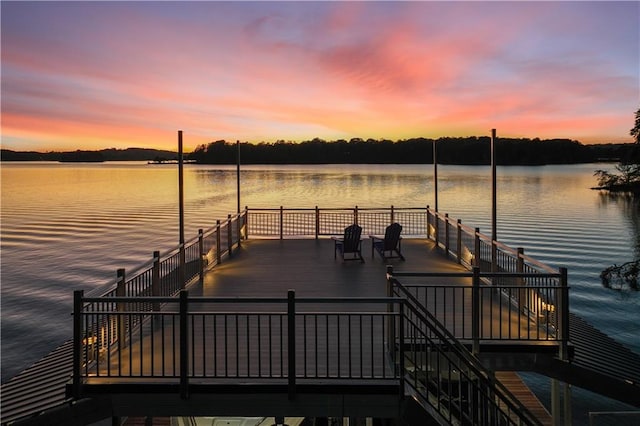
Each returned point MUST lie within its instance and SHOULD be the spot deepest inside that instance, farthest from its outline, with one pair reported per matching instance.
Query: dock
(262, 307)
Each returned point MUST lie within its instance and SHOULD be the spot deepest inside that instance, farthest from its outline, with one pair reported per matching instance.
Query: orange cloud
(125, 74)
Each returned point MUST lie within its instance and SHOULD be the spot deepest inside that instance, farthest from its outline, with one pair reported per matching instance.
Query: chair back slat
(352, 238)
(391, 236)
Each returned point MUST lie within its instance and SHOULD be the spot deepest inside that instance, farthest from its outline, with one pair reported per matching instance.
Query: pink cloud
(325, 69)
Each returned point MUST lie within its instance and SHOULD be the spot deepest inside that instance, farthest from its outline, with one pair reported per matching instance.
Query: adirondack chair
(392, 242)
(349, 244)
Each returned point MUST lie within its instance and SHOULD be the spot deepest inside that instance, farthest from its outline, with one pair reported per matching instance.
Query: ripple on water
(54, 241)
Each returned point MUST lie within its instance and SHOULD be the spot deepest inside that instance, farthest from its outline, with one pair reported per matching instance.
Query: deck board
(271, 267)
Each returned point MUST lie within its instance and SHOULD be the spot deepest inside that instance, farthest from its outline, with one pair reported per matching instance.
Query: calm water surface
(70, 226)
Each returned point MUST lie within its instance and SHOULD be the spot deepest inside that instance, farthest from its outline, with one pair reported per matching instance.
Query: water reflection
(623, 275)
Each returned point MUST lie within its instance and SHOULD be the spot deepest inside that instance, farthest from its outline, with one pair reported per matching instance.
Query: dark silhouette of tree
(627, 180)
(468, 150)
(635, 131)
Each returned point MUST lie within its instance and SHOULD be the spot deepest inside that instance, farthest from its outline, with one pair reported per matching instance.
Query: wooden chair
(350, 243)
(392, 242)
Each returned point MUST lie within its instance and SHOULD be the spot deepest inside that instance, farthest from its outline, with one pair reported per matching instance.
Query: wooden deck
(271, 267)
(244, 346)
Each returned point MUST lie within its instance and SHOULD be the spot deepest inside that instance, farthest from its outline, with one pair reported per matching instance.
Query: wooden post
(475, 311)
(182, 272)
(494, 235)
(229, 235)
(281, 222)
(77, 342)
(564, 349)
(201, 253)
(563, 315)
(155, 279)
(401, 364)
(435, 174)
(184, 342)
(355, 215)
(390, 322)
(523, 298)
(446, 234)
(121, 307)
(246, 222)
(494, 257)
(239, 229)
(291, 343)
(238, 173)
(392, 214)
(428, 222)
(459, 241)
(218, 244)
(476, 248)
(436, 226)
(317, 222)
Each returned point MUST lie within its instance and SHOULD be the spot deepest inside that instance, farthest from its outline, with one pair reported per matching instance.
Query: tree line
(467, 151)
(110, 154)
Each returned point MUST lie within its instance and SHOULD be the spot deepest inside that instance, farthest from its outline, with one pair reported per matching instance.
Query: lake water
(70, 226)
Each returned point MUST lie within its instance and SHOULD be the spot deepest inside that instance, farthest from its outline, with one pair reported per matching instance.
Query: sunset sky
(93, 75)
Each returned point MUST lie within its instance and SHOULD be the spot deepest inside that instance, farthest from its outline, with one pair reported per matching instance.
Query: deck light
(467, 255)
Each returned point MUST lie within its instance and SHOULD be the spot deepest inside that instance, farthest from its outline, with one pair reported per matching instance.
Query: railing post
(291, 343)
(246, 222)
(218, 254)
(390, 320)
(239, 229)
(475, 311)
(476, 248)
(121, 307)
(184, 341)
(77, 342)
(494, 257)
(183, 272)
(436, 225)
(428, 223)
(317, 222)
(355, 215)
(281, 222)
(522, 294)
(229, 235)
(201, 253)
(459, 241)
(563, 314)
(392, 214)
(155, 279)
(401, 368)
(446, 234)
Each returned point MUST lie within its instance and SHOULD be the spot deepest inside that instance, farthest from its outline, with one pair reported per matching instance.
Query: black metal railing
(445, 377)
(518, 307)
(288, 340)
(167, 273)
(316, 222)
(222, 338)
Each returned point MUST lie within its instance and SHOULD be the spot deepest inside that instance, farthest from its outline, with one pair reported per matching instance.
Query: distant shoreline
(455, 151)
